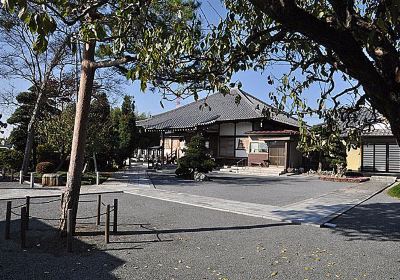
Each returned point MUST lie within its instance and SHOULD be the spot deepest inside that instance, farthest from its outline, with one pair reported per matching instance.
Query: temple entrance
(277, 154)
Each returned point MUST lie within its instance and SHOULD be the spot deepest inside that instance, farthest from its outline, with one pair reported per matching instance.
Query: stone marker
(51, 179)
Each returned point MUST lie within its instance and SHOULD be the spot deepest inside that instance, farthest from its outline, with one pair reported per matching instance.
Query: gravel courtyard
(164, 240)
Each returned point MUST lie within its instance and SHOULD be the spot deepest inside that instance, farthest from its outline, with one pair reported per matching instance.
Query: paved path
(314, 211)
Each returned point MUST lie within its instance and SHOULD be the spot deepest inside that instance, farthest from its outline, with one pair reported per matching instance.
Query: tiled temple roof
(215, 108)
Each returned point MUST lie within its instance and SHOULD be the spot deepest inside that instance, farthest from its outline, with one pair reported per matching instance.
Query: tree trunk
(31, 129)
(319, 161)
(73, 186)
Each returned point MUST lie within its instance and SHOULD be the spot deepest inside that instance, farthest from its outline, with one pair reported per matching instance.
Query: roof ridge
(268, 105)
(191, 103)
(183, 106)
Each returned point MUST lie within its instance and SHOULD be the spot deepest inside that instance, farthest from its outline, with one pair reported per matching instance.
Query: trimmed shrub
(45, 167)
(196, 158)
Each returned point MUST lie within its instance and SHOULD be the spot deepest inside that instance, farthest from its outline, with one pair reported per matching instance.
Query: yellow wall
(353, 159)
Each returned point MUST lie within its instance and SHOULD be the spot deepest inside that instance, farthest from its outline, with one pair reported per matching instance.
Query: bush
(11, 159)
(45, 153)
(196, 158)
(45, 167)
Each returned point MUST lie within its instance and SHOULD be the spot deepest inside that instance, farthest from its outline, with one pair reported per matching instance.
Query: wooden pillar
(148, 159)
(98, 209)
(115, 220)
(28, 203)
(162, 148)
(69, 230)
(107, 225)
(8, 221)
(23, 227)
(286, 155)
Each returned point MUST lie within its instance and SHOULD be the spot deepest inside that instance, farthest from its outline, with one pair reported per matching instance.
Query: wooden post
(28, 203)
(107, 228)
(21, 177)
(69, 230)
(12, 175)
(97, 178)
(32, 180)
(23, 227)
(98, 209)
(115, 222)
(8, 221)
(61, 199)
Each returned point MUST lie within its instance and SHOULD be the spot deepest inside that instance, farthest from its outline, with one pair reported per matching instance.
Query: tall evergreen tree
(127, 126)
(124, 131)
(21, 118)
(153, 41)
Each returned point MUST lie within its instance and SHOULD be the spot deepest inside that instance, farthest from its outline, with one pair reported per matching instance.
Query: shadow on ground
(374, 221)
(370, 221)
(149, 230)
(45, 256)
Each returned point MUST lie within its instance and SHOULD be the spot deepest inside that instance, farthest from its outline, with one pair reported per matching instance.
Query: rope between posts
(15, 213)
(47, 219)
(58, 219)
(45, 202)
(19, 206)
(91, 217)
(111, 206)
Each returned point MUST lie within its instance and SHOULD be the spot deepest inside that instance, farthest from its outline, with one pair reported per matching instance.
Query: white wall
(243, 127)
(227, 129)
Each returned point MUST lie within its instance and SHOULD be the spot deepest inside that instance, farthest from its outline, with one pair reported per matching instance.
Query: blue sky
(149, 102)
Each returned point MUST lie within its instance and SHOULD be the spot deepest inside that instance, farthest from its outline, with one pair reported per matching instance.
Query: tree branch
(115, 62)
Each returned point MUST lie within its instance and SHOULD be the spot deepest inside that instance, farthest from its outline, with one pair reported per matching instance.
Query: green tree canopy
(348, 51)
(21, 116)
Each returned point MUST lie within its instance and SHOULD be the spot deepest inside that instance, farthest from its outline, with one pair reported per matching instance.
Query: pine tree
(196, 158)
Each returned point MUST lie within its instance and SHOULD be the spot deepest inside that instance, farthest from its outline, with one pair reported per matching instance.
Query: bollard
(12, 175)
(21, 177)
(69, 230)
(23, 227)
(98, 209)
(28, 203)
(107, 227)
(3, 173)
(32, 180)
(115, 222)
(8, 221)
(97, 178)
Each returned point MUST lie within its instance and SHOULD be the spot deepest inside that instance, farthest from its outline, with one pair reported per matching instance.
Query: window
(227, 146)
(258, 147)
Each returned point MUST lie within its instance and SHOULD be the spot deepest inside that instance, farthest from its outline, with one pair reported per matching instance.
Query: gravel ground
(163, 240)
(277, 191)
(12, 185)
